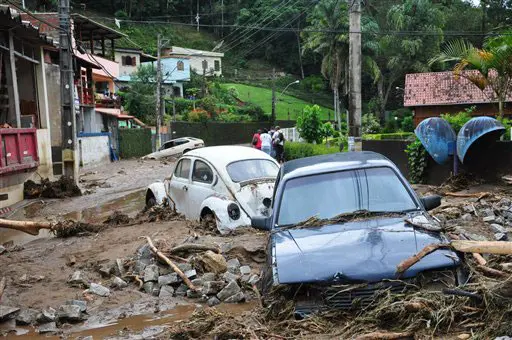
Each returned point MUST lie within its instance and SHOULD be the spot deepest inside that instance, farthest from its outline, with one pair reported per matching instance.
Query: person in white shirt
(266, 142)
(278, 143)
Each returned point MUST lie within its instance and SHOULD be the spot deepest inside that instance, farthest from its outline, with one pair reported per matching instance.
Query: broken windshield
(249, 169)
(328, 195)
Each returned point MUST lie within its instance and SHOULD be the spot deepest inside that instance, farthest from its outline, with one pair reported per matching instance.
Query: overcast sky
(476, 2)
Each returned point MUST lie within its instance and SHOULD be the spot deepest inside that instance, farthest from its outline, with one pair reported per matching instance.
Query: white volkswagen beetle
(229, 183)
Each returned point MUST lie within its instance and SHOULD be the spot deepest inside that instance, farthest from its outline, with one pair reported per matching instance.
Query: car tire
(150, 202)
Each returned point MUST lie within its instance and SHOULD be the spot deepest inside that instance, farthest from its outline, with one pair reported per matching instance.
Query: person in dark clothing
(278, 143)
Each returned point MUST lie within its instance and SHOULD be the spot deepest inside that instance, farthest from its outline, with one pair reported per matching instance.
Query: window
(167, 145)
(331, 194)
(180, 66)
(241, 171)
(128, 61)
(182, 169)
(202, 173)
(205, 65)
(217, 65)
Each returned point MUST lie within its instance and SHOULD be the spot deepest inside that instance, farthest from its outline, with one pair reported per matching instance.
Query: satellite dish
(438, 138)
(219, 45)
(475, 129)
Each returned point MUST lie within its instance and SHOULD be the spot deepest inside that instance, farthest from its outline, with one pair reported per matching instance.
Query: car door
(179, 185)
(181, 145)
(202, 182)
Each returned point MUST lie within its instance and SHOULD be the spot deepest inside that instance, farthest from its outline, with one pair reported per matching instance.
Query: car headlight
(233, 211)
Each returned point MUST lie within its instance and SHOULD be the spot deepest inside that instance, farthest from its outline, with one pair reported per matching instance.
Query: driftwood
(486, 247)
(188, 247)
(384, 336)
(171, 264)
(2, 287)
(478, 195)
(28, 227)
(492, 272)
(478, 258)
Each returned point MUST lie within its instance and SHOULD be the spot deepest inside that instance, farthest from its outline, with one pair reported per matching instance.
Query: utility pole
(273, 117)
(68, 123)
(158, 92)
(354, 128)
(197, 16)
(222, 18)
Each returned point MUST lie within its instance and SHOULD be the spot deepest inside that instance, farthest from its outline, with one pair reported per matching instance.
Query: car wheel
(150, 201)
(208, 220)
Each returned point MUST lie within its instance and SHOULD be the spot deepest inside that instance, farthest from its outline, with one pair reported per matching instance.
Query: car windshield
(344, 192)
(247, 170)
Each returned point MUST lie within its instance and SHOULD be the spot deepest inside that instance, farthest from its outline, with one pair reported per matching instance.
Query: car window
(167, 145)
(331, 194)
(180, 142)
(251, 169)
(183, 168)
(202, 173)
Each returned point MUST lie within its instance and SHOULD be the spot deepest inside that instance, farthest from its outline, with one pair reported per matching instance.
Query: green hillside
(285, 103)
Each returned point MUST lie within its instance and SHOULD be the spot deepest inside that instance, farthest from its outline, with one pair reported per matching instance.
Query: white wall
(196, 65)
(93, 150)
(126, 70)
(44, 151)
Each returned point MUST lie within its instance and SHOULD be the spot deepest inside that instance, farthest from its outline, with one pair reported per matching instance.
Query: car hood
(251, 194)
(362, 251)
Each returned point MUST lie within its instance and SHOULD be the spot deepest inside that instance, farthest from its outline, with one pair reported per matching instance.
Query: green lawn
(263, 97)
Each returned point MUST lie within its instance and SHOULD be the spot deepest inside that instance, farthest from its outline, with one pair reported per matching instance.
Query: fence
(218, 133)
(134, 142)
(291, 134)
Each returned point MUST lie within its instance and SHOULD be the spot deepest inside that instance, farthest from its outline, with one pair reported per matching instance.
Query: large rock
(228, 277)
(169, 279)
(49, 327)
(80, 303)
(213, 301)
(77, 279)
(166, 291)
(151, 273)
(47, 315)
(233, 265)
(70, 313)
(213, 287)
(212, 262)
(7, 312)
(238, 297)
(99, 290)
(26, 316)
(231, 289)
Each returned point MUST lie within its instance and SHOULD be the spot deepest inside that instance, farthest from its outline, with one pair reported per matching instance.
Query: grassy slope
(263, 98)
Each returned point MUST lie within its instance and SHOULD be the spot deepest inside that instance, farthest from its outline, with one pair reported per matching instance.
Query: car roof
(336, 161)
(223, 155)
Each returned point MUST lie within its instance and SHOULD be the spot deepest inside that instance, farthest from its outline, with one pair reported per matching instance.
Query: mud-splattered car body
(361, 232)
(230, 184)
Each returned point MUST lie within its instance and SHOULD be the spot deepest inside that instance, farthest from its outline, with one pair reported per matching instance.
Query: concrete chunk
(26, 316)
(166, 291)
(238, 297)
(151, 273)
(47, 315)
(245, 270)
(227, 276)
(231, 289)
(233, 265)
(119, 283)
(213, 287)
(80, 303)
(6, 312)
(99, 290)
(70, 313)
(169, 279)
(49, 327)
(77, 279)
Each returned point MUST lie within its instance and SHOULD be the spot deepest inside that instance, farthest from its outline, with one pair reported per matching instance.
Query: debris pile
(62, 188)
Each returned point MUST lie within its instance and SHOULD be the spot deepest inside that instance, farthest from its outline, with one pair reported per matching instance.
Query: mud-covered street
(109, 284)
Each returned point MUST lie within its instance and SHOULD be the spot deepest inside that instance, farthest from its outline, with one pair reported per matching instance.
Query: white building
(210, 62)
(129, 59)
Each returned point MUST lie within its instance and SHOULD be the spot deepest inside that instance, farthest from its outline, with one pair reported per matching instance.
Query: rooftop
(182, 51)
(11, 19)
(443, 88)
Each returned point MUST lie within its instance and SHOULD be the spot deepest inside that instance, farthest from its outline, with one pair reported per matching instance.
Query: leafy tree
(407, 124)
(391, 56)
(370, 124)
(140, 99)
(328, 130)
(459, 119)
(330, 17)
(492, 65)
(309, 124)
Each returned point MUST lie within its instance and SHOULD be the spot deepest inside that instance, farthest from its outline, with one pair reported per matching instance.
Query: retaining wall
(94, 149)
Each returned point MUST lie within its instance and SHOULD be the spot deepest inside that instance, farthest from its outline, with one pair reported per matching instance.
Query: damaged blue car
(341, 224)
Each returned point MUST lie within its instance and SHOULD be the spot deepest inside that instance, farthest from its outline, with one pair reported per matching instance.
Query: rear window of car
(182, 169)
(249, 169)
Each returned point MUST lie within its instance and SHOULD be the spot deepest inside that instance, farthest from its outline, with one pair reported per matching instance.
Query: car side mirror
(261, 223)
(431, 202)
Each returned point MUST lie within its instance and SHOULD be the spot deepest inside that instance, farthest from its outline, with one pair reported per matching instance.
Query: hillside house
(26, 91)
(434, 93)
(129, 59)
(207, 62)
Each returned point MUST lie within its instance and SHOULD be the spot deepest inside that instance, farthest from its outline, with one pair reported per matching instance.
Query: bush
(198, 115)
(294, 150)
(182, 106)
(417, 160)
(233, 118)
(209, 104)
(408, 124)
(507, 123)
(253, 110)
(370, 124)
(309, 124)
(459, 119)
(390, 136)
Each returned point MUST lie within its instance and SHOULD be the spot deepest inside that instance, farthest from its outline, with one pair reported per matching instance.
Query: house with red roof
(434, 93)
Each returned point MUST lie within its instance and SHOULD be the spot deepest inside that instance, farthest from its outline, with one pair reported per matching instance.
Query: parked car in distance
(176, 147)
(229, 184)
(356, 206)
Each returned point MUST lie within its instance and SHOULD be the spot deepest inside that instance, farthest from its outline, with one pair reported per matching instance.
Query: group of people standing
(271, 142)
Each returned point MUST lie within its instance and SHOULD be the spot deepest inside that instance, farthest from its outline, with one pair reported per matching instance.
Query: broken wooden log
(492, 272)
(28, 227)
(485, 247)
(384, 336)
(171, 264)
(192, 247)
(478, 258)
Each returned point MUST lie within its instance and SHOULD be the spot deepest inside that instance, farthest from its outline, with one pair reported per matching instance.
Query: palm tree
(492, 65)
(328, 19)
